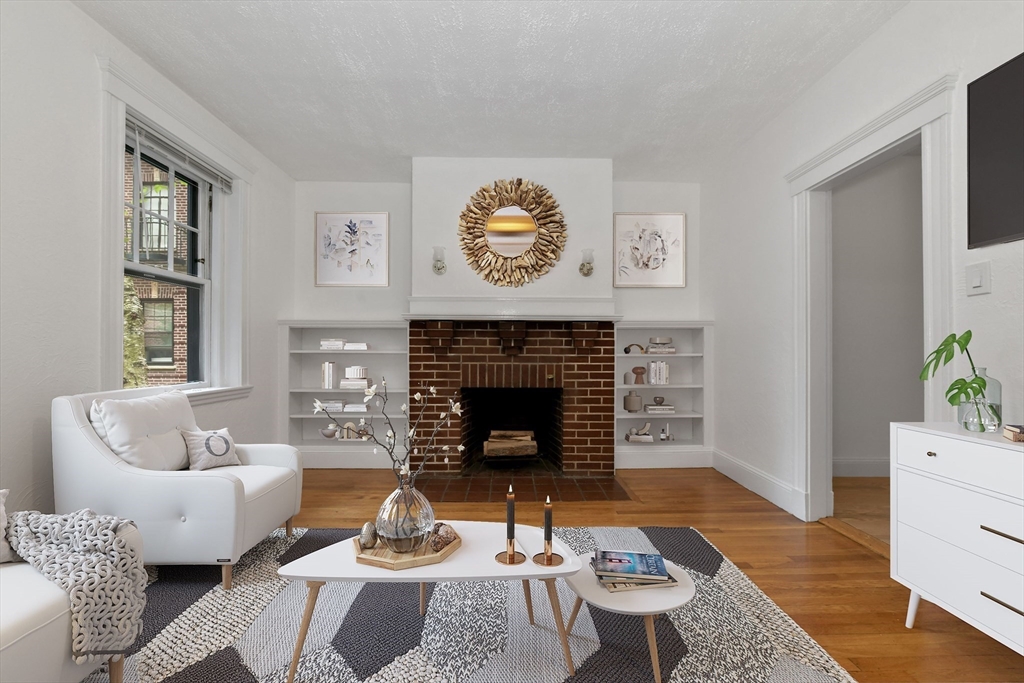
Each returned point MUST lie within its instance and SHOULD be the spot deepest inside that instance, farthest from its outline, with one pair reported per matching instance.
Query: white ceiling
(353, 90)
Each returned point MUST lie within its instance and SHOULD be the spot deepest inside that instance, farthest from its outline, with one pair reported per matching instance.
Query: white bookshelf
(300, 361)
(689, 390)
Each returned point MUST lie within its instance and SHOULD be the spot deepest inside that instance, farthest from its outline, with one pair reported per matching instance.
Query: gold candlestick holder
(548, 558)
(509, 555)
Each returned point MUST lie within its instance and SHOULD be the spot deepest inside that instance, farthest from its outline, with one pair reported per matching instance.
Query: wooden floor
(837, 590)
(863, 503)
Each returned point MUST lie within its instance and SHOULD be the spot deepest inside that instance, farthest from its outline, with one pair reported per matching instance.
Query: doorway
(877, 334)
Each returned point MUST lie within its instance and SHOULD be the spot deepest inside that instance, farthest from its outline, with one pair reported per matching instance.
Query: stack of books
(658, 349)
(333, 406)
(354, 383)
(624, 570)
(659, 409)
(355, 408)
(332, 344)
(1014, 433)
(657, 372)
(357, 346)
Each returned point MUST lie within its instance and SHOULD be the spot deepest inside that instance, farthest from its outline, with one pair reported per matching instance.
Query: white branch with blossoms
(413, 441)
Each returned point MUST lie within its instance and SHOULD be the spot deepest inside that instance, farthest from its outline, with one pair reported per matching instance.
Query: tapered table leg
(653, 644)
(556, 610)
(915, 601)
(423, 599)
(117, 670)
(529, 599)
(307, 616)
(572, 617)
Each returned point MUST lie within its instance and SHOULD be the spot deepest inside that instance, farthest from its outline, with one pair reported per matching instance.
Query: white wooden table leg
(915, 600)
(314, 591)
(556, 610)
(529, 599)
(653, 645)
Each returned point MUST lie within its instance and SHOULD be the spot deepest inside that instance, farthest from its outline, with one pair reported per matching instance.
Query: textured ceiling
(353, 90)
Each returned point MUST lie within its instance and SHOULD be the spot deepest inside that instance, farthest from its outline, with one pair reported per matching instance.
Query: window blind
(152, 137)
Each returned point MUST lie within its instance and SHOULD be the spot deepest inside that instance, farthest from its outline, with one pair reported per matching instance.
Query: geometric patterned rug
(472, 633)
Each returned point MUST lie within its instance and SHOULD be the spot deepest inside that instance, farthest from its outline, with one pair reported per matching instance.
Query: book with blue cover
(626, 564)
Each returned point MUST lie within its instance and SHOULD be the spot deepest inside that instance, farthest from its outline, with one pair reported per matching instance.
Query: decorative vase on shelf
(994, 396)
(979, 416)
(632, 402)
(405, 519)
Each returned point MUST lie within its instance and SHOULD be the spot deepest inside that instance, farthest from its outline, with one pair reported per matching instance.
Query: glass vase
(994, 396)
(979, 416)
(405, 520)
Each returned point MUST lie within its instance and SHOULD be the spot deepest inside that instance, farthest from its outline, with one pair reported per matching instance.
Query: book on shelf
(626, 564)
(617, 585)
(640, 438)
(660, 350)
(657, 372)
(333, 406)
(353, 383)
(332, 344)
(355, 408)
(356, 346)
(655, 409)
(1014, 433)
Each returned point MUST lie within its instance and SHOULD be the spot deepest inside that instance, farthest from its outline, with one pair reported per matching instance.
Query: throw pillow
(214, 448)
(7, 554)
(144, 432)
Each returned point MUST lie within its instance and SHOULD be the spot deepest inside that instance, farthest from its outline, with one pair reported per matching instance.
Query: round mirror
(510, 231)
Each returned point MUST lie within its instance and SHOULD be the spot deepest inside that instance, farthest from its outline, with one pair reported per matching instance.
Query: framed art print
(351, 250)
(650, 250)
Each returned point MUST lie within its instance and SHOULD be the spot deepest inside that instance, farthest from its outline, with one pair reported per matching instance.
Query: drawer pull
(1000, 602)
(931, 454)
(1002, 533)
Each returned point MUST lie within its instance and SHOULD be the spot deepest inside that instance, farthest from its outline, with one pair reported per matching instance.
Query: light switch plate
(979, 278)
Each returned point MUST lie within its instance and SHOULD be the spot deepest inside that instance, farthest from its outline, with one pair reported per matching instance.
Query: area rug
(472, 633)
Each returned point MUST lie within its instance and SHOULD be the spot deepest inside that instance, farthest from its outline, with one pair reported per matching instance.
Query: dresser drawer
(995, 469)
(958, 578)
(966, 519)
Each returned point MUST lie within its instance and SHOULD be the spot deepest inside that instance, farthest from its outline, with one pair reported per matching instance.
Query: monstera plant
(963, 389)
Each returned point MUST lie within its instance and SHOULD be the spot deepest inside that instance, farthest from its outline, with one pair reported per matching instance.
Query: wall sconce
(587, 265)
(440, 268)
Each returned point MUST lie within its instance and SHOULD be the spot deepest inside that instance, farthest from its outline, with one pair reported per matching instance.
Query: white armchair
(186, 517)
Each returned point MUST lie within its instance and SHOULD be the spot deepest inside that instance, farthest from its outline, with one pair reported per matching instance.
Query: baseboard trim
(776, 491)
(856, 535)
(860, 467)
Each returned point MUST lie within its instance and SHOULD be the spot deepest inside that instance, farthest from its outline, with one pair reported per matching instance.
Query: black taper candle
(547, 519)
(510, 514)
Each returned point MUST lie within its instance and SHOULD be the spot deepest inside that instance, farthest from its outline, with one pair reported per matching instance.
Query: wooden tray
(381, 556)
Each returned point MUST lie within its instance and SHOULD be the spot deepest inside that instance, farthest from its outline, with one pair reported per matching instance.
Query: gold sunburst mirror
(512, 232)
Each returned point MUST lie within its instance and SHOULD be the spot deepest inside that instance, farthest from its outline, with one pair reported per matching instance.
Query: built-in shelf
(367, 352)
(678, 415)
(391, 390)
(346, 416)
(689, 370)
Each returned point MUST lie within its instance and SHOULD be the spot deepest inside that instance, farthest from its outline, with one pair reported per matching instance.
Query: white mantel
(441, 187)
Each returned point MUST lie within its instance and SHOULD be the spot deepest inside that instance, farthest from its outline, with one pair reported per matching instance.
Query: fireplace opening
(511, 429)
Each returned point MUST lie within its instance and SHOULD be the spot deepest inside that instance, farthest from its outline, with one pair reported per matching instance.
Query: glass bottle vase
(979, 416)
(994, 396)
(405, 520)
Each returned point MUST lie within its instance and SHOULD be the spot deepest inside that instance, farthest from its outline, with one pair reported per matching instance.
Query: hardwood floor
(863, 503)
(836, 590)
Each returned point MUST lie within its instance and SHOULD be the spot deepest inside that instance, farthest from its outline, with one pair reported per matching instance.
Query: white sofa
(186, 517)
(35, 626)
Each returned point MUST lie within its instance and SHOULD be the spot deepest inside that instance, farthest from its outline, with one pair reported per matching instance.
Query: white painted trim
(146, 99)
(510, 308)
(927, 114)
(202, 397)
(111, 246)
(860, 467)
(654, 457)
(763, 484)
(923, 106)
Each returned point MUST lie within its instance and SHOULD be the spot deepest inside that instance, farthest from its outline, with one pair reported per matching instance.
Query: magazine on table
(627, 564)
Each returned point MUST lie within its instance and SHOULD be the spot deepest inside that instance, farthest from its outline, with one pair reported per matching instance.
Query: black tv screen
(995, 156)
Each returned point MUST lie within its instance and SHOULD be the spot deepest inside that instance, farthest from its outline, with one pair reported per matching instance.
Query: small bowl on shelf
(330, 432)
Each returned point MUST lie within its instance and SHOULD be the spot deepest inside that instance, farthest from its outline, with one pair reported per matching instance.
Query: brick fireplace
(576, 357)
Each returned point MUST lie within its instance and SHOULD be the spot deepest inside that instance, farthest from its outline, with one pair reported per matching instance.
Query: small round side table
(645, 602)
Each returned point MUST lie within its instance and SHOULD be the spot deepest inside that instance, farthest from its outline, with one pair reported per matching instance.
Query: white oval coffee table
(646, 602)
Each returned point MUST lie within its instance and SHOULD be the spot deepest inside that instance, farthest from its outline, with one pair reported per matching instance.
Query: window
(166, 279)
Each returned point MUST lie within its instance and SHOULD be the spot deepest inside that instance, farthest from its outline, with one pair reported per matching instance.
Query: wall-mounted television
(995, 156)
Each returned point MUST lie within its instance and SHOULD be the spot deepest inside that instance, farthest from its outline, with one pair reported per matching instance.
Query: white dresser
(957, 521)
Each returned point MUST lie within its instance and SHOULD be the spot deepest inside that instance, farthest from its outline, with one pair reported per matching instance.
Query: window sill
(201, 397)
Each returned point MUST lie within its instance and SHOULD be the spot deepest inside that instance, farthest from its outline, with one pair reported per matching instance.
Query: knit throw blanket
(101, 573)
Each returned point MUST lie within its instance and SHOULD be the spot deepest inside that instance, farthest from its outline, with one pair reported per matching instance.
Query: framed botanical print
(650, 250)
(351, 249)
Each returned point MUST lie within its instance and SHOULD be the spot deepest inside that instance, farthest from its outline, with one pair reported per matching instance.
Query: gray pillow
(214, 448)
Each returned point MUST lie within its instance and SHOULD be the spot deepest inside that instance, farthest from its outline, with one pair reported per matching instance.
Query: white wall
(748, 210)
(50, 231)
(877, 314)
(671, 303)
(353, 303)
